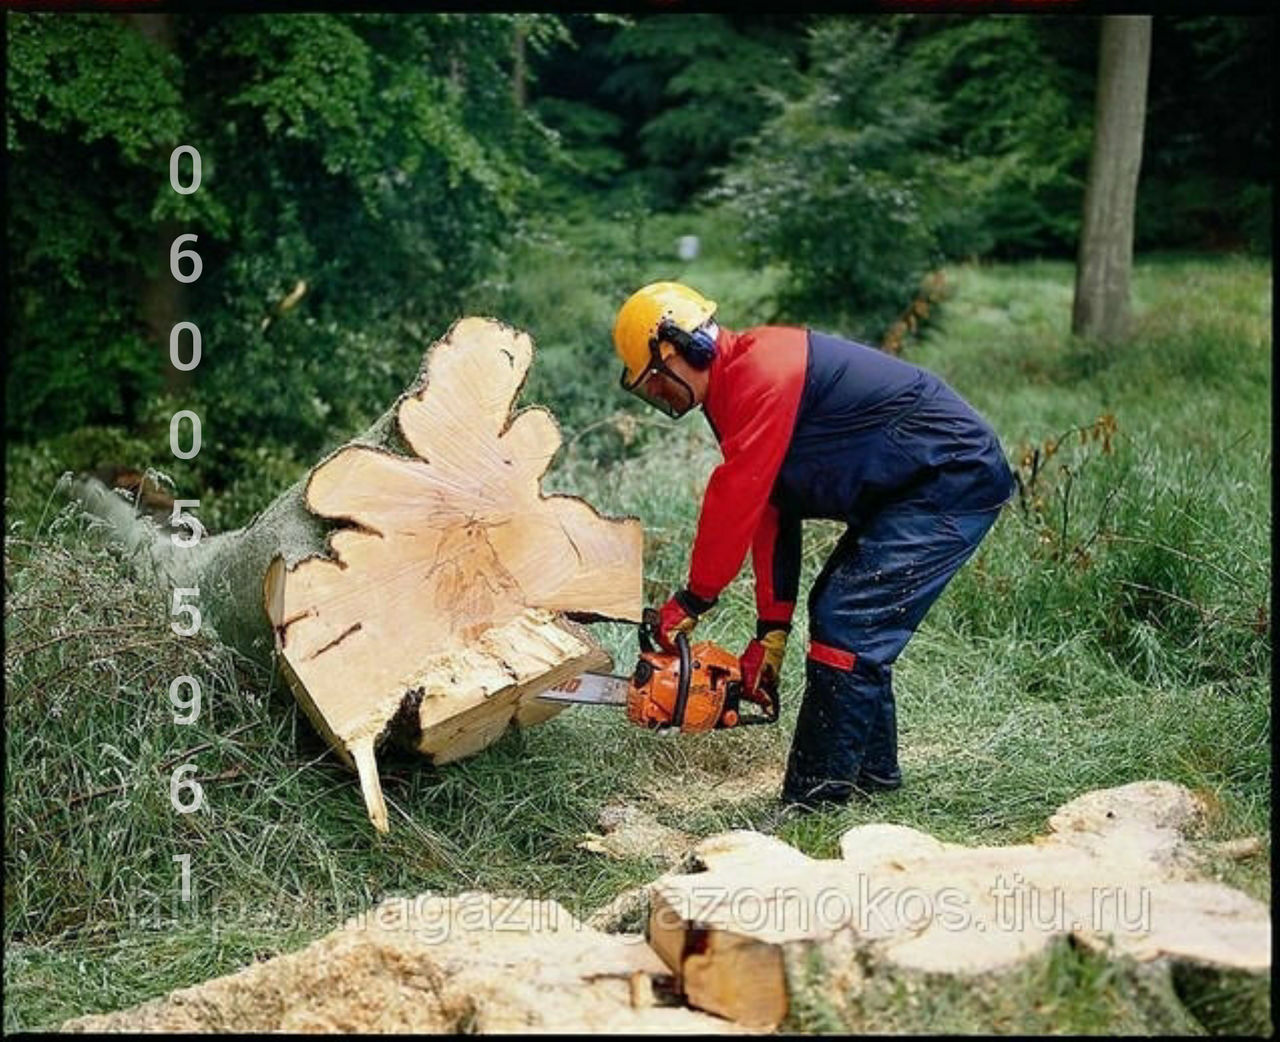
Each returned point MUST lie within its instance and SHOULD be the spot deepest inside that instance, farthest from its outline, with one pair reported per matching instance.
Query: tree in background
(374, 158)
(698, 84)
(1013, 141)
(1101, 306)
(647, 105)
(85, 181)
(364, 173)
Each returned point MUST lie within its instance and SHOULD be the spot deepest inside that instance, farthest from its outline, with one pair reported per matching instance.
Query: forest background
(914, 182)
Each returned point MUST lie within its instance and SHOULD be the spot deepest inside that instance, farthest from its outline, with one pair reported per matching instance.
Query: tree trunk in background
(1105, 258)
(163, 300)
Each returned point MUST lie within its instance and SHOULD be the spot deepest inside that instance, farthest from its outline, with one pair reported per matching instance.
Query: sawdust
(430, 965)
(631, 833)
(690, 793)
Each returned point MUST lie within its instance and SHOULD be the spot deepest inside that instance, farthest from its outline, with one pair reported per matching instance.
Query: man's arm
(764, 396)
(775, 554)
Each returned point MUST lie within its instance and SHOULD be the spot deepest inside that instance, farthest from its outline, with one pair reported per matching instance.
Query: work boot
(869, 782)
(838, 713)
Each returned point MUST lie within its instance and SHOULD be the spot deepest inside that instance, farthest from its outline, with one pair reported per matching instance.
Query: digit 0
(195, 434)
(195, 169)
(195, 346)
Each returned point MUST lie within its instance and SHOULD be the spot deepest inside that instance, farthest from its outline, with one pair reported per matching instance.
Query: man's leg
(870, 597)
(880, 772)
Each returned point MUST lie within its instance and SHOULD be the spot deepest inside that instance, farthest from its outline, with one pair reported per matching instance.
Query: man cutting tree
(814, 426)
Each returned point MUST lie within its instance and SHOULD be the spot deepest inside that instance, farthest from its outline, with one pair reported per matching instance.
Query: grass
(1115, 631)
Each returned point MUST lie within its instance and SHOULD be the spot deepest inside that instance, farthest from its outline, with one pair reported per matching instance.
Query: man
(814, 426)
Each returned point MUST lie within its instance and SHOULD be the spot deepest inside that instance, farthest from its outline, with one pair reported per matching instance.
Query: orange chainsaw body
(710, 699)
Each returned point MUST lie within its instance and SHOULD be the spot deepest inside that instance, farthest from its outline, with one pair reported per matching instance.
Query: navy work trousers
(863, 608)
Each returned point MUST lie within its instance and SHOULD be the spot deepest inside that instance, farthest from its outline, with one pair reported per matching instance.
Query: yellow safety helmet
(649, 326)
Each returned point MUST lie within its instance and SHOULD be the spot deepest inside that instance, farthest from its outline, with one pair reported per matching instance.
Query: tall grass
(1114, 626)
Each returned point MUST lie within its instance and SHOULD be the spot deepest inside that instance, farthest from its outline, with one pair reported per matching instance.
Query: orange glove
(679, 615)
(761, 666)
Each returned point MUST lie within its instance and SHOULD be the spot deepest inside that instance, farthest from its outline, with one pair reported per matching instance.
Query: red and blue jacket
(815, 426)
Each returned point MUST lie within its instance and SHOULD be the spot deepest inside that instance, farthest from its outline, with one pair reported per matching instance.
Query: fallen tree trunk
(416, 584)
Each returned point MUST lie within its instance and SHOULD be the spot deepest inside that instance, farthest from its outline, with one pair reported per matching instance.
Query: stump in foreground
(1113, 876)
(420, 597)
(902, 934)
(467, 964)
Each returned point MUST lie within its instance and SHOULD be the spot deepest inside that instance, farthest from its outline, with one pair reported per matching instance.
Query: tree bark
(1101, 307)
(439, 606)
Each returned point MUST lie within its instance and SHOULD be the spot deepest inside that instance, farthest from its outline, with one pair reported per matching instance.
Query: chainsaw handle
(682, 689)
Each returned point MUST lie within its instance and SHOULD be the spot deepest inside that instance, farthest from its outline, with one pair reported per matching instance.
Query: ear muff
(697, 348)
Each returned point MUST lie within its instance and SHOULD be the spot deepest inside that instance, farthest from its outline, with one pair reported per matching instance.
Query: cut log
(418, 584)
(1113, 875)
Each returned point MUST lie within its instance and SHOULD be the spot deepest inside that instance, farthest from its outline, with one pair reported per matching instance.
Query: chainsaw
(696, 688)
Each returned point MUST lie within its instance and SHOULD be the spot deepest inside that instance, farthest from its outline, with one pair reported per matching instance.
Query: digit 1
(185, 859)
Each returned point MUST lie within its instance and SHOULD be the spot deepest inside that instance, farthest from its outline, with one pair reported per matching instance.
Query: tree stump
(1113, 876)
(472, 963)
(424, 598)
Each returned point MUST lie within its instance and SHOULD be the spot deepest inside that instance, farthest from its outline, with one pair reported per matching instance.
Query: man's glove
(679, 615)
(761, 666)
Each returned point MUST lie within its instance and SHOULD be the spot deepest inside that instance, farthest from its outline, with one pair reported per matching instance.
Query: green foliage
(84, 177)
(702, 81)
(388, 202)
(376, 158)
(919, 137)
(832, 186)
(1207, 149)
(1015, 132)
(590, 155)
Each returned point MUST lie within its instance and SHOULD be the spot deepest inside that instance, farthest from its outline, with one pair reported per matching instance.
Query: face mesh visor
(639, 387)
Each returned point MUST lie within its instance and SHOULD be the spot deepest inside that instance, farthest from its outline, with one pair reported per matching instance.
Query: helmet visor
(660, 387)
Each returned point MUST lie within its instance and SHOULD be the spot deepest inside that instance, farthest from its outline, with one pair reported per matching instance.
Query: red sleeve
(755, 408)
(775, 554)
